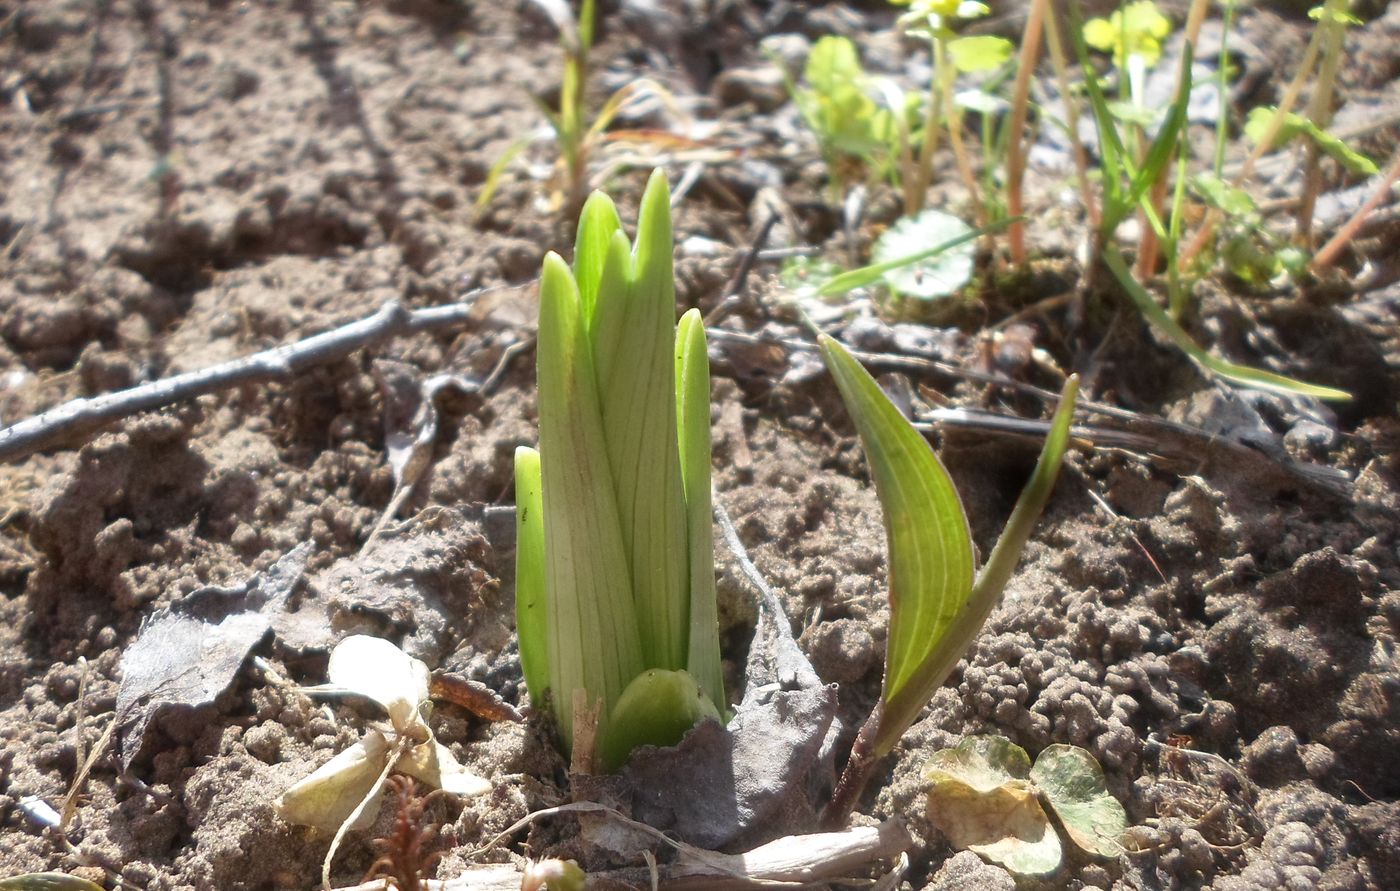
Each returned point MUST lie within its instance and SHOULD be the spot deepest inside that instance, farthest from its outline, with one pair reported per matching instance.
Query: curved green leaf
(656, 709)
(930, 546)
(986, 593)
(1230, 371)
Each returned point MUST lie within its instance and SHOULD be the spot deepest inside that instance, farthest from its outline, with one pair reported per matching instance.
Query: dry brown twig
(75, 420)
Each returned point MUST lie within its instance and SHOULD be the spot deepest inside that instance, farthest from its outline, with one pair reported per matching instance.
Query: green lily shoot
(615, 582)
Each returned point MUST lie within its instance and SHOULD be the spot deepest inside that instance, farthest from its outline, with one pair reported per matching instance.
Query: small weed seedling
(615, 586)
(1128, 186)
(855, 135)
(951, 55)
(936, 607)
(576, 137)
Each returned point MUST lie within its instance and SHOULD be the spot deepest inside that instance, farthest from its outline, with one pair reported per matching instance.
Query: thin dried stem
(1016, 147)
(75, 420)
(1330, 251)
(1081, 157)
(1320, 111)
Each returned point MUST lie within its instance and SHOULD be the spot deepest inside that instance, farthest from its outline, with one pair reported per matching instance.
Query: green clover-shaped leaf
(1072, 781)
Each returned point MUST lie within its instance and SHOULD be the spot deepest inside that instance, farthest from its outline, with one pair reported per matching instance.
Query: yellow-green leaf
(980, 799)
(1072, 781)
(47, 881)
(693, 433)
(656, 709)
(980, 53)
(530, 562)
(634, 337)
(930, 547)
(588, 580)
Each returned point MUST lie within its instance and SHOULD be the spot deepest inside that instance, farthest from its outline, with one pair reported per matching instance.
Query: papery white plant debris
(378, 670)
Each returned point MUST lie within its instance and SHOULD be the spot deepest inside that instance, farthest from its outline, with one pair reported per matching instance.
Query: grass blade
(1230, 371)
(930, 546)
(866, 275)
(693, 429)
(588, 579)
(531, 611)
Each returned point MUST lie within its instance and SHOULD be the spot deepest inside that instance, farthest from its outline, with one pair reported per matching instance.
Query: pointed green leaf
(693, 429)
(1073, 782)
(588, 580)
(991, 581)
(930, 546)
(634, 336)
(1230, 371)
(597, 224)
(656, 709)
(979, 798)
(530, 607)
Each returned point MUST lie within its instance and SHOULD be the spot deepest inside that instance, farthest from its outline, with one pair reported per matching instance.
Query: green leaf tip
(656, 709)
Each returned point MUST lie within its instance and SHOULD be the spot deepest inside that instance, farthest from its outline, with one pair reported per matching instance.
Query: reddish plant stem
(1016, 148)
(1333, 248)
(857, 773)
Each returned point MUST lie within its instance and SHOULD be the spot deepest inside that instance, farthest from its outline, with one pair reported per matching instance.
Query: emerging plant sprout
(615, 588)
(936, 607)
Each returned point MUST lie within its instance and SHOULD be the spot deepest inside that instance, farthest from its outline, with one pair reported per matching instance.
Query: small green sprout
(1128, 186)
(1249, 250)
(615, 587)
(855, 135)
(1266, 123)
(951, 55)
(938, 602)
(577, 138)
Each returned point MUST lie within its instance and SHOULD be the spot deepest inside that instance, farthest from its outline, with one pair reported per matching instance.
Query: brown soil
(190, 182)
